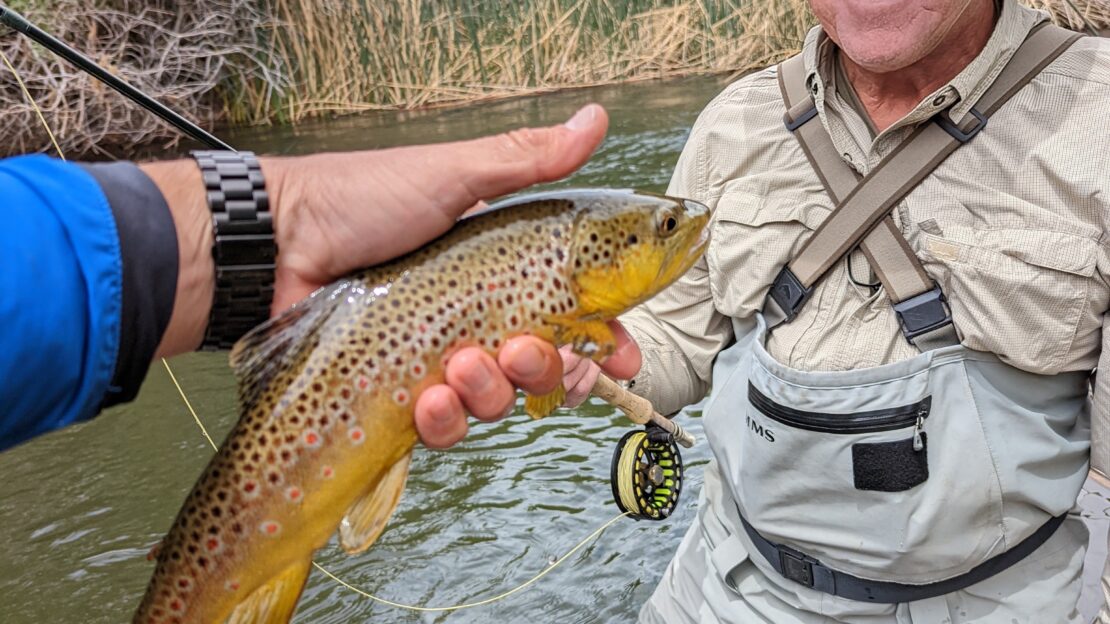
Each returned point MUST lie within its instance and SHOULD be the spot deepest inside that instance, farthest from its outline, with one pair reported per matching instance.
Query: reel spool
(647, 474)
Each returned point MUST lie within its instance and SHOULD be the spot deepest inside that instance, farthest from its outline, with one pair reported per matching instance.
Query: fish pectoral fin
(275, 601)
(589, 338)
(538, 406)
(366, 519)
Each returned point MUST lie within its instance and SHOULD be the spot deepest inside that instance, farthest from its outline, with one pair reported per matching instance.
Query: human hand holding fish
(334, 213)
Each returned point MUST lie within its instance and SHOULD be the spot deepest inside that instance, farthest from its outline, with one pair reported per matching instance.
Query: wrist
(181, 185)
(280, 187)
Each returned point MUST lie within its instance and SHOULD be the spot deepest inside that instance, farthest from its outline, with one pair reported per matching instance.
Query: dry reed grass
(351, 56)
(176, 53)
(258, 61)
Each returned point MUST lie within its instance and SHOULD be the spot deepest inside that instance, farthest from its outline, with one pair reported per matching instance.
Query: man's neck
(887, 97)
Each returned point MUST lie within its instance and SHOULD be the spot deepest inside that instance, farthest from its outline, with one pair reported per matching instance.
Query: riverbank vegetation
(262, 61)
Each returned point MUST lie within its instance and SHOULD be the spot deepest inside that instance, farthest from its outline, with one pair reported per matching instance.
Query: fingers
(581, 373)
(483, 389)
(531, 364)
(440, 419)
(626, 359)
(493, 166)
(579, 378)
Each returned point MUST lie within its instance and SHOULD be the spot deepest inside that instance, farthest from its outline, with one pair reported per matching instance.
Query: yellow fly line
(204, 430)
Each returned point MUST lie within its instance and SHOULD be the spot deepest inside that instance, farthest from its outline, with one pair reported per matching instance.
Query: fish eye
(667, 224)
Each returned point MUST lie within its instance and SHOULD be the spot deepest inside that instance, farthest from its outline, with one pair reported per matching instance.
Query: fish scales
(327, 390)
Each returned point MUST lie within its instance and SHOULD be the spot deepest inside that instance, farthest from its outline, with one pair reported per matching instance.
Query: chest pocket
(755, 231)
(1019, 293)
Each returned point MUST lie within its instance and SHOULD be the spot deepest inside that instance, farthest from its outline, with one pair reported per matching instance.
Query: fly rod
(20, 24)
(638, 409)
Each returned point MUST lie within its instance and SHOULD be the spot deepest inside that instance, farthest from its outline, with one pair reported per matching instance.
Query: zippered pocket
(873, 421)
(881, 466)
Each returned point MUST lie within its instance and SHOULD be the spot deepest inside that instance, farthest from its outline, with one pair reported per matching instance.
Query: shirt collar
(1013, 25)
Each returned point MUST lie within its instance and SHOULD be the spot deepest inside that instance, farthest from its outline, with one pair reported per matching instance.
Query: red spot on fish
(232, 586)
(293, 493)
(327, 472)
(356, 434)
(269, 527)
(363, 383)
(311, 439)
(491, 287)
(401, 397)
(177, 606)
(250, 486)
(212, 544)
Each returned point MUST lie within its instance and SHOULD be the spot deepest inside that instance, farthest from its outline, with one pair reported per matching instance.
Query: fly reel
(647, 474)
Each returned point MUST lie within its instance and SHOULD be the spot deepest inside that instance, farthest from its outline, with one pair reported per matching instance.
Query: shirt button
(939, 100)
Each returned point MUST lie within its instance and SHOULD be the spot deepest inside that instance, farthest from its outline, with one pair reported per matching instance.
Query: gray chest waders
(913, 479)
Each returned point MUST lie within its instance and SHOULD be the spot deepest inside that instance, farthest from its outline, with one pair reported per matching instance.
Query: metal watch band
(244, 249)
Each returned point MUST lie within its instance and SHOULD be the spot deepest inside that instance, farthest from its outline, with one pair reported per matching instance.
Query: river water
(80, 508)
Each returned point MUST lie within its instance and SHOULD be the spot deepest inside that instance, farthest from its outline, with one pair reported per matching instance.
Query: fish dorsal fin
(366, 519)
(281, 342)
(275, 601)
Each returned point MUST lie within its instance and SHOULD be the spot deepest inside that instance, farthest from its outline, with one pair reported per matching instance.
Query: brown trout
(326, 390)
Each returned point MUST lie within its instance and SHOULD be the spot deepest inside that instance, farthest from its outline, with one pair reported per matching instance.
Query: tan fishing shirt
(1011, 226)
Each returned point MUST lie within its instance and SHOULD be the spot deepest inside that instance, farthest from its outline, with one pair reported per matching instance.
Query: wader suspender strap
(863, 206)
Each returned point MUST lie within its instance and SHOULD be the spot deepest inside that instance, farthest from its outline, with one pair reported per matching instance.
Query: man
(804, 519)
(110, 265)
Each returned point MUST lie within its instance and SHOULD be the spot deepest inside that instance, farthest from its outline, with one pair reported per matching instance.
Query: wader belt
(808, 571)
(863, 206)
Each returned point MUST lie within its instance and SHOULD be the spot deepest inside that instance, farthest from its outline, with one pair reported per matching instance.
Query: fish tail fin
(275, 601)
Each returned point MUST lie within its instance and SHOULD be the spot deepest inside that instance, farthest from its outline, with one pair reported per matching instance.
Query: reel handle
(638, 409)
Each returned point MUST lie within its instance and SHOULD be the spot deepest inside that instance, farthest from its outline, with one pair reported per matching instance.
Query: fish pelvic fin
(539, 406)
(366, 519)
(590, 338)
(275, 601)
(282, 342)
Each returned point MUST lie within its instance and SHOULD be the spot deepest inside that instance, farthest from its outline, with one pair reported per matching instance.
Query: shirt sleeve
(64, 313)
(680, 330)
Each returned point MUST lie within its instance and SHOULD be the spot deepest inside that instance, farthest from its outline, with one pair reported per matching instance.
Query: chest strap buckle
(923, 313)
(963, 136)
(788, 293)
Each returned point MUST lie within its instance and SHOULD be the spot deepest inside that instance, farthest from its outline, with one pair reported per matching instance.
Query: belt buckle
(796, 567)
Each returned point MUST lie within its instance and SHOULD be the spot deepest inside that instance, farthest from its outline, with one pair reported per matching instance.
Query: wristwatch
(244, 250)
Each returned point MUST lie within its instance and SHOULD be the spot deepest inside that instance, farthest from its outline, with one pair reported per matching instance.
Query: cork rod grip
(638, 409)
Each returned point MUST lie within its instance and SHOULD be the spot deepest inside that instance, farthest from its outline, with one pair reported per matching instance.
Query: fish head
(627, 246)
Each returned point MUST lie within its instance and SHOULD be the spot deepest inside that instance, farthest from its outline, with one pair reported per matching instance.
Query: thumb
(504, 163)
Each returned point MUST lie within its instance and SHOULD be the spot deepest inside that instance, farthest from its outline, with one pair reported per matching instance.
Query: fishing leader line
(204, 430)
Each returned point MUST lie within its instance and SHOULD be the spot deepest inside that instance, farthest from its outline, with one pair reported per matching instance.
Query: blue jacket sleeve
(60, 296)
